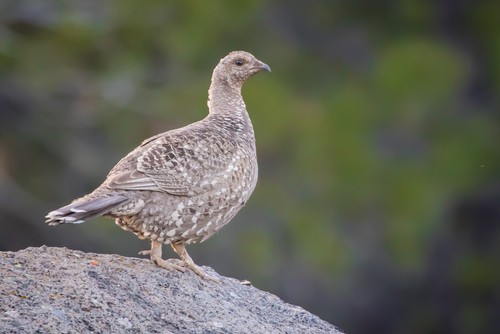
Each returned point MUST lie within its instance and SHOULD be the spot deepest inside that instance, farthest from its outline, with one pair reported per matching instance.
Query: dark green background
(378, 201)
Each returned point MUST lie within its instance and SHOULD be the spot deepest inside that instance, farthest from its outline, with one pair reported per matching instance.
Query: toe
(169, 265)
(200, 272)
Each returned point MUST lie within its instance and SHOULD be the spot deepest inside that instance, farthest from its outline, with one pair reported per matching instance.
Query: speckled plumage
(183, 185)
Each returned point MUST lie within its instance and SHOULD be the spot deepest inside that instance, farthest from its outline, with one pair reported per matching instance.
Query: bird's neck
(224, 98)
(227, 108)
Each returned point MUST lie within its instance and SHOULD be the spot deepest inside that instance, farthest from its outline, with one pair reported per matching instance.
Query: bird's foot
(200, 272)
(188, 262)
(167, 264)
(145, 252)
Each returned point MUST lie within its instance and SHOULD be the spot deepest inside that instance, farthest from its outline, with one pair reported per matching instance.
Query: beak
(265, 67)
(260, 66)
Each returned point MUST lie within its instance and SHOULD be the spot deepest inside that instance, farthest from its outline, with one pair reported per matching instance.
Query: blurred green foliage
(377, 134)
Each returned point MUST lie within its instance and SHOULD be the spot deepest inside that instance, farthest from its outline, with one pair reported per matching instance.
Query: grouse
(183, 185)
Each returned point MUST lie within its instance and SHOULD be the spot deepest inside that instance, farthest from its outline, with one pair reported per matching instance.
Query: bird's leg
(180, 249)
(155, 254)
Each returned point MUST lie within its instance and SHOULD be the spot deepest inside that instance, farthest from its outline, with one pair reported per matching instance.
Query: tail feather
(79, 211)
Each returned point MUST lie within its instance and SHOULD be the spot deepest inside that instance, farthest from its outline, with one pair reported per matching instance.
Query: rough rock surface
(57, 290)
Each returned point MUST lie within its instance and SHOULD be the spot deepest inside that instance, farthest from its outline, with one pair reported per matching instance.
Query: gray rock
(57, 290)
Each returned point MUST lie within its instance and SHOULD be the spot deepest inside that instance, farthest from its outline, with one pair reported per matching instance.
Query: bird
(182, 186)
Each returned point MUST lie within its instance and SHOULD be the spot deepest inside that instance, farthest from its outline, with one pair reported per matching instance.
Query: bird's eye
(239, 62)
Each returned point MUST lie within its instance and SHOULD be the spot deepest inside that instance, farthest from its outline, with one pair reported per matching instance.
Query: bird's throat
(225, 99)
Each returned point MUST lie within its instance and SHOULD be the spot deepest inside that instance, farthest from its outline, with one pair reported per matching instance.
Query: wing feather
(179, 164)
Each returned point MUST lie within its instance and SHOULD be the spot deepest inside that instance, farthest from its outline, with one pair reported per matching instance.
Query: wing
(179, 164)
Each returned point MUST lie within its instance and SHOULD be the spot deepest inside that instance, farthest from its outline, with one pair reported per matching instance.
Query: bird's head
(237, 67)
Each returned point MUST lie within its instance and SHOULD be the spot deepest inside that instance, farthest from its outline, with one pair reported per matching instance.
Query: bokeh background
(378, 202)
